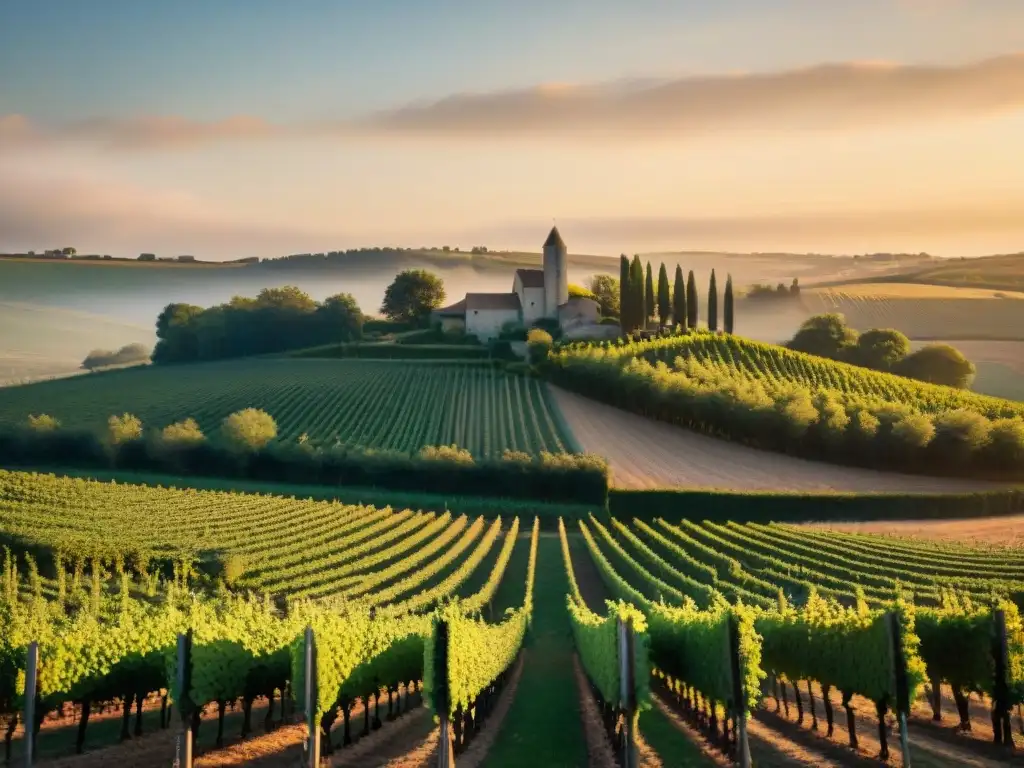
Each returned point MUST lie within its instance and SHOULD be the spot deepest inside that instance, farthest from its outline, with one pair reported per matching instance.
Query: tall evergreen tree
(691, 301)
(636, 284)
(713, 303)
(650, 301)
(728, 305)
(679, 316)
(625, 297)
(664, 297)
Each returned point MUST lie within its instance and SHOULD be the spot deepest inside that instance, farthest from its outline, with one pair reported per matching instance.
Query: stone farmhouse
(536, 294)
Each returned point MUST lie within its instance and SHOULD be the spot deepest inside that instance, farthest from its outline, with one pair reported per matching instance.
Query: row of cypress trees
(639, 303)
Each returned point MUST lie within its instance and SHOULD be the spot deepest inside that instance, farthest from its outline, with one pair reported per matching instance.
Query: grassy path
(543, 726)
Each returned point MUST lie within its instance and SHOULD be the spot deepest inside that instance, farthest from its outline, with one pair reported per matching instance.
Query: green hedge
(392, 351)
(799, 507)
(564, 478)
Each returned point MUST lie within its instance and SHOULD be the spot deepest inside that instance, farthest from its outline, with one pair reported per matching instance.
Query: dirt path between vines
(476, 754)
(644, 453)
(599, 751)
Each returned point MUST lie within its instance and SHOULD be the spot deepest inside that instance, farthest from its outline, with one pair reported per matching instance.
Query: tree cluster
(776, 412)
(882, 349)
(644, 302)
(413, 295)
(277, 319)
(130, 354)
(780, 291)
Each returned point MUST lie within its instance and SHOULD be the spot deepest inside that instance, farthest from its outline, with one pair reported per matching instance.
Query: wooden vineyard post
(31, 679)
(440, 694)
(739, 695)
(899, 670)
(183, 744)
(627, 690)
(311, 744)
(1001, 726)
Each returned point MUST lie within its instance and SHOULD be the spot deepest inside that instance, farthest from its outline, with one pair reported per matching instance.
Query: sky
(259, 128)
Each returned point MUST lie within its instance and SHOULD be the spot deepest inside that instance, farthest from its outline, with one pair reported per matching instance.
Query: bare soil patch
(644, 453)
(476, 754)
(599, 751)
(988, 531)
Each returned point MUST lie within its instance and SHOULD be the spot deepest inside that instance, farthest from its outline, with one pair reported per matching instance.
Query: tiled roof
(554, 239)
(476, 301)
(531, 278)
(458, 308)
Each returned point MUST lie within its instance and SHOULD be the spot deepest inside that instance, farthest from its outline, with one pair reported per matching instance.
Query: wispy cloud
(831, 96)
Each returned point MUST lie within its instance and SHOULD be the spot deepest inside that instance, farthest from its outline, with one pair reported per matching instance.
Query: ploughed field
(108, 574)
(368, 404)
(924, 311)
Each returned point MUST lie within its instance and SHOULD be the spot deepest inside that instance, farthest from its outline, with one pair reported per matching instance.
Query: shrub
(824, 335)
(880, 349)
(501, 350)
(185, 432)
(912, 432)
(959, 435)
(608, 321)
(1006, 443)
(445, 453)
(123, 429)
(938, 364)
(549, 324)
(43, 423)
(248, 430)
(539, 344)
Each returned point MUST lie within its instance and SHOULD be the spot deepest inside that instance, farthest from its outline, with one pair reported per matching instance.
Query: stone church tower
(556, 273)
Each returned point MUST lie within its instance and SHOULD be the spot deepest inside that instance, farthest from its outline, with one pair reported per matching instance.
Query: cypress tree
(679, 316)
(636, 284)
(625, 299)
(691, 300)
(713, 303)
(650, 303)
(664, 297)
(728, 307)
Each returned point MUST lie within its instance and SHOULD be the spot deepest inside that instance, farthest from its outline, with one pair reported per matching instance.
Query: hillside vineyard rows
(366, 404)
(387, 591)
(774, 398)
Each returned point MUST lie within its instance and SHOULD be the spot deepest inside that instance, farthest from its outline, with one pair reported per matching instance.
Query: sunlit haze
(260, 129)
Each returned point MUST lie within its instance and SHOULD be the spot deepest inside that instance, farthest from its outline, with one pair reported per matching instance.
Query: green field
(383, 405)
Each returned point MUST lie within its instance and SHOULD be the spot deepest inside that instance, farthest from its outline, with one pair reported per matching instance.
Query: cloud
(823, 97)
(829, 96)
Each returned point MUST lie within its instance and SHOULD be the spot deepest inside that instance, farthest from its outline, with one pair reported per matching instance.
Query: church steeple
(555, 239)
(556, 277)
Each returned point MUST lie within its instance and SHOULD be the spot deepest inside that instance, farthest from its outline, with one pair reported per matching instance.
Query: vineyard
(770, 397)
(752, 634)
(368, 404)
(746, 621)
(402, 597)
